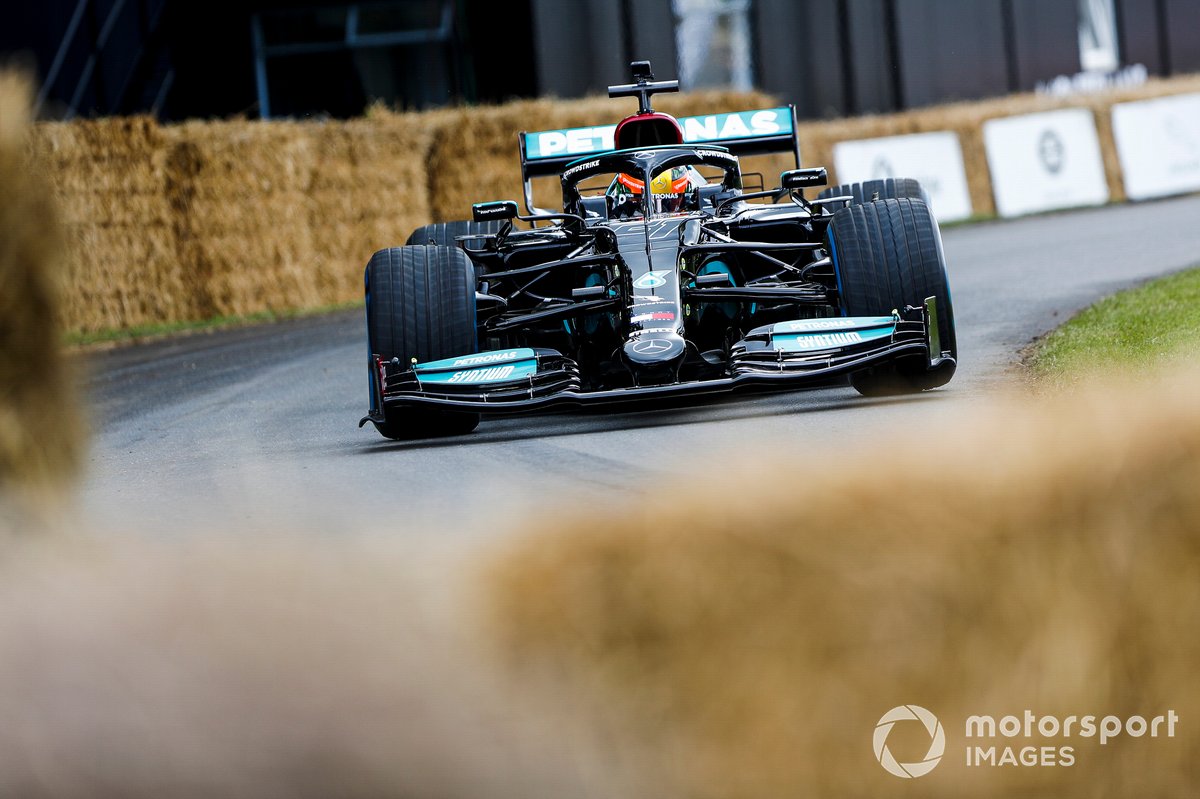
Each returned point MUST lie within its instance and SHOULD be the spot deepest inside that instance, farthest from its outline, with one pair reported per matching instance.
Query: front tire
(888, 255)
(420, 305)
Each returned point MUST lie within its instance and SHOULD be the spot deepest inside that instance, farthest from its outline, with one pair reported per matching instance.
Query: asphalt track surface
(254, 429)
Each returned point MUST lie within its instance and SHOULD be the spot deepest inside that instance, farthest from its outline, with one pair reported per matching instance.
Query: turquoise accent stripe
(811, 342)
(498, 366)
(481, 359)
(480, 375)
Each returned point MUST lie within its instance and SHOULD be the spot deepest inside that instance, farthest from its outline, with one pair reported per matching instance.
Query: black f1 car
(658, 278)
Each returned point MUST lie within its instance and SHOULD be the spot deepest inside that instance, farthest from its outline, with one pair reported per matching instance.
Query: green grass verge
(165, 329)
(1135, 329)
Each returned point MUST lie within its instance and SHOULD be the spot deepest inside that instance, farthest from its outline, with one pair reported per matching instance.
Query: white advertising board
(935, 159)
(1158, 143)
(1042, 162)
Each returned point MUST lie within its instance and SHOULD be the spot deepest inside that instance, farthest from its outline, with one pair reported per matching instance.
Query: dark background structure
(217, 58)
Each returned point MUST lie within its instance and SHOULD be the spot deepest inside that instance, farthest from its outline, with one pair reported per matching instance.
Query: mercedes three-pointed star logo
(651, 346)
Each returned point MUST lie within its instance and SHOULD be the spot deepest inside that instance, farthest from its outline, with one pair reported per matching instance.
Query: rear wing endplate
(762, 132)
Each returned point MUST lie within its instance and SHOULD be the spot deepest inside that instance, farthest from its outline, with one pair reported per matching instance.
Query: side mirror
(808, 178)
(500, 209)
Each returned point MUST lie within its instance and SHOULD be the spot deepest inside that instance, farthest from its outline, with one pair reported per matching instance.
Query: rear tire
(888, 255)
(445, 233)
(887, 189)
(420, 305)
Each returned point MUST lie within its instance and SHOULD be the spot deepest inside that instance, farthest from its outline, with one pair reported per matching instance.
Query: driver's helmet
(672, 191)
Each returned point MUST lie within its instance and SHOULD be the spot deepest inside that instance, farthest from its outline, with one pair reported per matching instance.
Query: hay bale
(239, 192)
(370, 190)
(224, 218)
(41, 434)
(109, 178)
(1041, 556)
(283, 215)
(123, 276)
(104, 171)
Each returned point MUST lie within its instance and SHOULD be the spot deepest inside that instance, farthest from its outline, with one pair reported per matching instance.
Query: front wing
(803, 353)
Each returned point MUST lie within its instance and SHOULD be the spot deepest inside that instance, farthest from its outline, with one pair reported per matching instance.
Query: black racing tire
(888, 255)
(887, 189)
(420, 305)
(446, 233)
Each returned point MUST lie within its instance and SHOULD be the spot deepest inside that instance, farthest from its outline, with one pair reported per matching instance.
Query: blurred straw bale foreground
(748, 639)
(734, 643)
(40, 427)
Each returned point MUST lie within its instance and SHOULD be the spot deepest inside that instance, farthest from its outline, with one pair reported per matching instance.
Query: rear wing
(763, 132)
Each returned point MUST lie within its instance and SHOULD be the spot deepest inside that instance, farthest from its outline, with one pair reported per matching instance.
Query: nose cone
(653, 353)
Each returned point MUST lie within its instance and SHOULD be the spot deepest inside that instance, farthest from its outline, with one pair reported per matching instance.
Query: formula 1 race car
(660, 277)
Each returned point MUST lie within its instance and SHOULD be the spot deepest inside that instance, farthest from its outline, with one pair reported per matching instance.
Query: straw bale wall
(185, 222)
